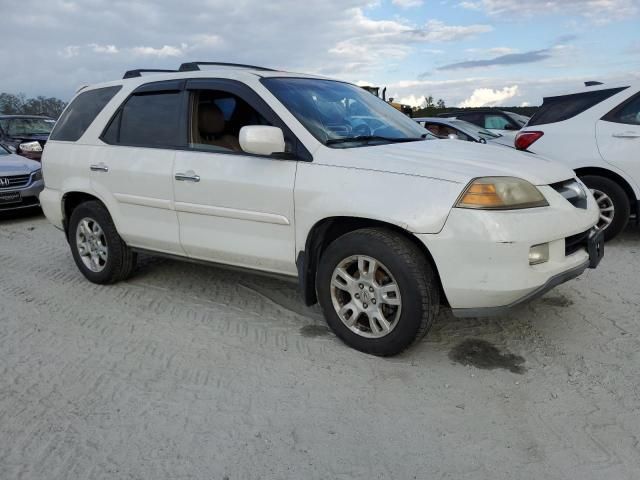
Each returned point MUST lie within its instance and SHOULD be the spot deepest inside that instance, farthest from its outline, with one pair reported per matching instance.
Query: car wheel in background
(378, 292)
(99, 252)
(613, 203)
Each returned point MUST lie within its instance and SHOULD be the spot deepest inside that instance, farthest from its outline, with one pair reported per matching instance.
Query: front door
(232, 207)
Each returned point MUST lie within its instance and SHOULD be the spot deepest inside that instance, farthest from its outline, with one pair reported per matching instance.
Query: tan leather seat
(211, 125)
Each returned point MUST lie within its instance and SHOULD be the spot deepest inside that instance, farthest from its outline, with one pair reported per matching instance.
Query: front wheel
(378, 292)
(99, 252)
(613, 204)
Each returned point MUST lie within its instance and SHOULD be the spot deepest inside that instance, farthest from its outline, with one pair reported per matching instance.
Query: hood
(17, 165)
(450, 160)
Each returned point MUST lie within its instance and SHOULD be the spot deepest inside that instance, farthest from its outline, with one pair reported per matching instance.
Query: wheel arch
(327, 230)
(70, 201)
(619, 179)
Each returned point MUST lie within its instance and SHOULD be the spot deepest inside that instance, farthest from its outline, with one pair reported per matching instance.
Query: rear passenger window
(557, 109)
(628, 112)
(81, 113)
(147, 120)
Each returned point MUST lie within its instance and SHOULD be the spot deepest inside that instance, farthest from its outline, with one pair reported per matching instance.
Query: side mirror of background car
(262, 139)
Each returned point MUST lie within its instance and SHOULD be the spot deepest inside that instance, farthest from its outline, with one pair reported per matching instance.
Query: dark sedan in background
(25, 134)
(20, 182)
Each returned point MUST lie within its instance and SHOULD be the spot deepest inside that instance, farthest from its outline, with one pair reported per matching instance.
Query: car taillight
(525, 139)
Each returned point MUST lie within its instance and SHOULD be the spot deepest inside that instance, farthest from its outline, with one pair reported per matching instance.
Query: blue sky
(468, 52)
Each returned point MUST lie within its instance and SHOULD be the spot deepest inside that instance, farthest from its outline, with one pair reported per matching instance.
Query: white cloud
(69, 51)
(412, 100)
(111, 49)
(407, 3)
(165, 51)
(437, 31)
(599, 11)
(487, 97)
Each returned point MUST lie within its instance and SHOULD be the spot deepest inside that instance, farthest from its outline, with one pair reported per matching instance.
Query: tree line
(19, 104)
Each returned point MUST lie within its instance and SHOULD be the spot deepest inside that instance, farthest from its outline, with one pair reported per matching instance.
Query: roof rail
(195, 66)
(592, 83)
(140, 71)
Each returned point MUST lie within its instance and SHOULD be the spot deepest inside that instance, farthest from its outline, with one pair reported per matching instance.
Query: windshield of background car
(519, 119)
(474, 130)
(3, 151)
(16, 127)
(334, 112)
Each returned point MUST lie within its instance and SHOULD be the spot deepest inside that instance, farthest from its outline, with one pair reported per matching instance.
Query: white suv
(278, 172)
(596, 132)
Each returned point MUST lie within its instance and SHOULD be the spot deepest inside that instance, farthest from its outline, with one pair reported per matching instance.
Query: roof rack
(195, 66)
(140, 71)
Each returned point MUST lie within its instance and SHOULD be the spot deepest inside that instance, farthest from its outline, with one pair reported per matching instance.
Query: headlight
(501, 193)
(31, 147)
(37, 175)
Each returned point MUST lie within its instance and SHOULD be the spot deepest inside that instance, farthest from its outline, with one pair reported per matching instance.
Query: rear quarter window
(81, 113)
(558, 109)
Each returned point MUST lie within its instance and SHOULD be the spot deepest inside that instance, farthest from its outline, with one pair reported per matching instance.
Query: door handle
(187, 177)
(101, 167)
(627, 135)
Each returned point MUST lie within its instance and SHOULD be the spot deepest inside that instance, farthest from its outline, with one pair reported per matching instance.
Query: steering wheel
(361, 130)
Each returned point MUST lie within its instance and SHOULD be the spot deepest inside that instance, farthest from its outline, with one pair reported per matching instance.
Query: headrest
(210, 119)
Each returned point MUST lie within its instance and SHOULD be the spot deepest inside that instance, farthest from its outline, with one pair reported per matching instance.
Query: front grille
(15, 181)
(576, 242)
(572, 191)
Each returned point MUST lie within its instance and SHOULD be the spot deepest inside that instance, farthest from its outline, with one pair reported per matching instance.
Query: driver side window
(216, 120)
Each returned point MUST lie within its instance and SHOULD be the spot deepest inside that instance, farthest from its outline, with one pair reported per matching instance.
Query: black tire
(413, 274)
(121, 260)
(619, 198)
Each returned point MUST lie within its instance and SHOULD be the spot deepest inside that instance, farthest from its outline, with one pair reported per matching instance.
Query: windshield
(341, 115)
(474, 129)
(16, 127)
(3, 151)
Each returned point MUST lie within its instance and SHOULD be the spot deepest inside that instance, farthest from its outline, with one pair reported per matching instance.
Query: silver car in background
(460, 130)
(20, 182)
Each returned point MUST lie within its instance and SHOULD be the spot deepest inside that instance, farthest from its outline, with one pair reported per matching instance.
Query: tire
(119, 260)
(413, 302)
(610, 194)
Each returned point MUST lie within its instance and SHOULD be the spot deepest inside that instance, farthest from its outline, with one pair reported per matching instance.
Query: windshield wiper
(370, 138)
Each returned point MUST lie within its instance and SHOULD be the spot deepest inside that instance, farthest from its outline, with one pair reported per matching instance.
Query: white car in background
(318, 181)
(596, 132)
(455, 129)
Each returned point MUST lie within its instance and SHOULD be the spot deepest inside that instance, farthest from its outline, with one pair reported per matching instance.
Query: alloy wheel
(92, 244)
(366, 296)
(607, 209)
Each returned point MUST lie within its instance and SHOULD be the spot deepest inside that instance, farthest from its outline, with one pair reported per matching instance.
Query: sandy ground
(189, 371)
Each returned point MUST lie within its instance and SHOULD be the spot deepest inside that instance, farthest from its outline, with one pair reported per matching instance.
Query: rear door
(133, 173)
(618, 136)
(233, 208)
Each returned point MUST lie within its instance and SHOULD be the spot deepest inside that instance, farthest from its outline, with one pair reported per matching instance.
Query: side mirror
(262, 140)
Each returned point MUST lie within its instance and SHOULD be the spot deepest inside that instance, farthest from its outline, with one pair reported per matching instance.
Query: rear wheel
(99, 252)
(378, 292)
(613, 203)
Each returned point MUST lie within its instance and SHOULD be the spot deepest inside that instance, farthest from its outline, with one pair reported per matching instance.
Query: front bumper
(28, 197)
(483, 256)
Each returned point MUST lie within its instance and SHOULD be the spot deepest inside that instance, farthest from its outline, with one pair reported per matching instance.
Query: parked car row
(318, 181)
